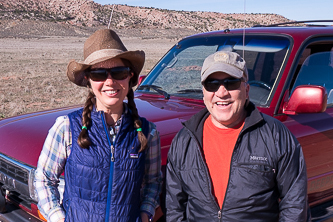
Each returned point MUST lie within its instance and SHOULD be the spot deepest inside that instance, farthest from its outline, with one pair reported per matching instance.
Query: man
(230, 162)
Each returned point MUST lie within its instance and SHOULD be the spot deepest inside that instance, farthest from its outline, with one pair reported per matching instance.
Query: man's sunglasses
(117, 73)
(212, 85)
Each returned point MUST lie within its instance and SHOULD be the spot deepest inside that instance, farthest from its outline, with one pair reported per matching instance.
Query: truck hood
(22, 137)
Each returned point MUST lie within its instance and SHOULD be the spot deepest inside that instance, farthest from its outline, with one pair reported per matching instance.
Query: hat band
(100, 55)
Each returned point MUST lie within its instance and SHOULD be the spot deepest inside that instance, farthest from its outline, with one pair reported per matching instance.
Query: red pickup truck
(290, 76)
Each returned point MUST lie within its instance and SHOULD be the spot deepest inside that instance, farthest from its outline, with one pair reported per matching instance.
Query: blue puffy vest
(96, 188)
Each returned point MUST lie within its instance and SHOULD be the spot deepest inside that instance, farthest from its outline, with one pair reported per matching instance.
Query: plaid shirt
(52, 160)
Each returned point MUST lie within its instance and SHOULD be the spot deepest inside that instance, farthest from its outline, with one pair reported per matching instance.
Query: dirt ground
(33, 71)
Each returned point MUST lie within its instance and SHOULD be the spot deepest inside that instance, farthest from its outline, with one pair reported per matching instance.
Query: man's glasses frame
(212, 85)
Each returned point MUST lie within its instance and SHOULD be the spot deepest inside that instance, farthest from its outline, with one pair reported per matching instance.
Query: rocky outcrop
(87, 13)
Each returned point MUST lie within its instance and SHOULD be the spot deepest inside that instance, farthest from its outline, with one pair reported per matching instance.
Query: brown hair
(83, 139)
(131, 104)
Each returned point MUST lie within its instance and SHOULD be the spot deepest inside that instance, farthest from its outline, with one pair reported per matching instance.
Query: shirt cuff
(148, 209)
(56, 214)
(150, 216)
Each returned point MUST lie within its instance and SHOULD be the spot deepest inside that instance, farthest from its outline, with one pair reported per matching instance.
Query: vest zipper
(111, 144)
(112, 153)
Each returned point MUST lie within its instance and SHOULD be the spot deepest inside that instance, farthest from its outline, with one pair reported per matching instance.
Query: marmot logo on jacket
(258, 158)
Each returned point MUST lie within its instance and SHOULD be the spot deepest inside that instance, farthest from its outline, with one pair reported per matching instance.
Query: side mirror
(306, 99)
(141, 78)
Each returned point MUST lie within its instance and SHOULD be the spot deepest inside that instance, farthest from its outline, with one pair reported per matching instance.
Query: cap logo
(221, 57)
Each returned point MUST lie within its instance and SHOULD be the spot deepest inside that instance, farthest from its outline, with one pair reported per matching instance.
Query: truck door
(315, 131)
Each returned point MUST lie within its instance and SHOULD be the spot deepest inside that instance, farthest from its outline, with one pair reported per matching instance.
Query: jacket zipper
(232, 156)
(219, 211)
(111, 144)
(219, 214)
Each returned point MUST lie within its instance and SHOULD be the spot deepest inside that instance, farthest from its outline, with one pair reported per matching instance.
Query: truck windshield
(178, 72)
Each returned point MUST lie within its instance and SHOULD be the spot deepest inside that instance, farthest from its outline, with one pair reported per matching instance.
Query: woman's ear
(88, 84)
(131, 80)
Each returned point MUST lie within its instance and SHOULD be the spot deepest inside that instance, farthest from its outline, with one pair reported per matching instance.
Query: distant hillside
(80, 17)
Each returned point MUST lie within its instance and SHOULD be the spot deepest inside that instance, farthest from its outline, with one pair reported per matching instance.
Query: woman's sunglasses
(212, 85)
(117, 73)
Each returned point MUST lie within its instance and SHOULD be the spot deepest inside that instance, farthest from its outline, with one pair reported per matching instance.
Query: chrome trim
(25, 187)
(10, 182)
(28, 168)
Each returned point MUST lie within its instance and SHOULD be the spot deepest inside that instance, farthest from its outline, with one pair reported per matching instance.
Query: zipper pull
(112, 153)
(219, 214)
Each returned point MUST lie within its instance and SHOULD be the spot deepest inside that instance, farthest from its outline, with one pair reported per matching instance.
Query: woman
(110, 155)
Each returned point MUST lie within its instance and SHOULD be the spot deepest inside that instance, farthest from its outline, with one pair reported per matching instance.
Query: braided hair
(83, 139)
(132, 106)
(137, 121)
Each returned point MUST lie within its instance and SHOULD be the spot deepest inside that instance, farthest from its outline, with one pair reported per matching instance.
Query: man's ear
(247, 90)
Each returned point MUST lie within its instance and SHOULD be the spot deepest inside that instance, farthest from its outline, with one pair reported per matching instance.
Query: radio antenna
(111, 17)
(244, 30)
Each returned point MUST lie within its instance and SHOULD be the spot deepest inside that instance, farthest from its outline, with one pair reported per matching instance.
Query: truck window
(315, 67)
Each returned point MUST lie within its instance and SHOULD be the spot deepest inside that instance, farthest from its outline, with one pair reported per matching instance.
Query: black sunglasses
(117, 73)
(212, 85)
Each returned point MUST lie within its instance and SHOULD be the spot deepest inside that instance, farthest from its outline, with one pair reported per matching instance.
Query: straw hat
(104, 44)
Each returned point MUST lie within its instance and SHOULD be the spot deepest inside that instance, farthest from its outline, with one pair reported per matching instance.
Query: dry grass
(33, 71)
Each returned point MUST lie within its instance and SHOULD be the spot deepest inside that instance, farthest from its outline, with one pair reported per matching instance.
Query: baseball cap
(224, 61)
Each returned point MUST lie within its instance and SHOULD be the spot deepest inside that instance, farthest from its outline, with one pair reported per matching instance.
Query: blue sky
(291, 9)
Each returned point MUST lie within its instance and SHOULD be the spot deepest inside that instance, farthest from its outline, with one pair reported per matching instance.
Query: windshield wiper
(190, 91)
(157, 89)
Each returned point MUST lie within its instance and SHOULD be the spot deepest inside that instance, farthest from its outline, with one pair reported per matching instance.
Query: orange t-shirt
(218, 146)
